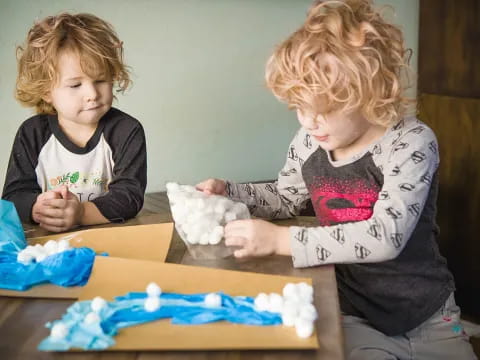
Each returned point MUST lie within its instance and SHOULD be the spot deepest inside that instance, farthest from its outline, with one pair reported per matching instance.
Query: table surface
(22, 319)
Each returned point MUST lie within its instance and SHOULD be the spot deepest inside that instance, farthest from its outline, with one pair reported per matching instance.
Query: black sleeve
(126, 191)
(21, 186)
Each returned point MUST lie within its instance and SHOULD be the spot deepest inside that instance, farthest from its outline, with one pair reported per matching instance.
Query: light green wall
(198, 79)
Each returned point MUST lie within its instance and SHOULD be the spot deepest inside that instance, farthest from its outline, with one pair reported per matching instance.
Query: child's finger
(51, 212)
(235, 241)
(241, 253)
(56, 203)
(50, 221)
(52, 228)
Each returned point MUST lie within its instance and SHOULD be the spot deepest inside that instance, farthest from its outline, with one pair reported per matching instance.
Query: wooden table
(22, 320)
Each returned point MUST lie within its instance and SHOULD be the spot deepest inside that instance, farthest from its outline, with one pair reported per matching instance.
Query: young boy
(371, 173)
(78, 161)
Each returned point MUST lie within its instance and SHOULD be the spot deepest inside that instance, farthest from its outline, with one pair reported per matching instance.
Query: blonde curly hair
(91, 38)
(344, 58)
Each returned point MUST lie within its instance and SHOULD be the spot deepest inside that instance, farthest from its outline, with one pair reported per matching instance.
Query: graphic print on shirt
(76, 179)
(339, 195)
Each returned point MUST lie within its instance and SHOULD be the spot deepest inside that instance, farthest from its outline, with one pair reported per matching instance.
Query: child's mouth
(321, 138)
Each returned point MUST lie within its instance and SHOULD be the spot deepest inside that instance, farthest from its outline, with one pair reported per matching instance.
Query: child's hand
(39, 207)
(257, 238)
(59, 213)
(212, 187)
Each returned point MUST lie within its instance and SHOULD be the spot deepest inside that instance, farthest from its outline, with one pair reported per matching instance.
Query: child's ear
(47, 97)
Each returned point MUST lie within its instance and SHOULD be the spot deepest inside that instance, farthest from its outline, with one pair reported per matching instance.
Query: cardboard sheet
(134, 275)
(145, 242)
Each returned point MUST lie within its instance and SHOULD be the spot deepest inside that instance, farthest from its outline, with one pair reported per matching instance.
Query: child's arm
(21, 186)
(408, 174)
(125, 195)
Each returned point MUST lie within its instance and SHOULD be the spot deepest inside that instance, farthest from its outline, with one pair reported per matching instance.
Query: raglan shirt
(376, 212)
(110, 171)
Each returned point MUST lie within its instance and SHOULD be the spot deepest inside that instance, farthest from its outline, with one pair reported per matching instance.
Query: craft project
(35, 267)
(200, 219)
(91, 325)
(55, 262)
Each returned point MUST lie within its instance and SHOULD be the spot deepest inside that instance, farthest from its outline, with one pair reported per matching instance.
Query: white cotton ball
(230, 216)
(289, 313)
(91, 318)
(63, 245)
(290, 291)
(216, 235)
(304, 328)
(51, 247)
(275, 302)
(173, 187)
(261, 302)
(204, 239)
(192, 238)
(98, 303)
(24, 258)
(152, 304)
(28, 250)
(59, 331)
(305, 292)
(308, 312)
(153, 290)
(213, 300)
(40, 257)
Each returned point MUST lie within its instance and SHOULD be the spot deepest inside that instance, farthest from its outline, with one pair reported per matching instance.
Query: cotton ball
(151, 304)
(290, 291)
(63, 245)
(220, 208)
(98, 303)
(213, 300)
(275, 302)
(153, 290)
(173, 187)
(51, 247)
(304, 328)
(216, 235)
(193, 238)
(261, 302)
(289, 313)
(308, 312)
(24, 258)
(59, 331)
(40, 257)
(305, 292)
(91, 318)
(230, 216)
(204, 239)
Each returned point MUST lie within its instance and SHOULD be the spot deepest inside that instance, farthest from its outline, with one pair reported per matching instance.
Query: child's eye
(75, 86)
(100, 81)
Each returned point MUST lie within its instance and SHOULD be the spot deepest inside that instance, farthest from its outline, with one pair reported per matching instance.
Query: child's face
(335, 131)
(78, 98)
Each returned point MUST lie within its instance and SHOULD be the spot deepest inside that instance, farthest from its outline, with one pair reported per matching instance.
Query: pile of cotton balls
(39, 252)
(152, 302)
(202, 217)
(295, 306)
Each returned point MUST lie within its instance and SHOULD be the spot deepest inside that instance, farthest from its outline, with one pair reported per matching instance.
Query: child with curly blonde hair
(371, 172)
(79, 161)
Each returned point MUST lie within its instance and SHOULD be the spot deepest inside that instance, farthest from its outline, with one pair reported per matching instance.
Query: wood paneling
(457, 126)
(449, 48)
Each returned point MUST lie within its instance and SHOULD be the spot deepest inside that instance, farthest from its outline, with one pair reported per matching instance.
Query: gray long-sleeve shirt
(376, 214)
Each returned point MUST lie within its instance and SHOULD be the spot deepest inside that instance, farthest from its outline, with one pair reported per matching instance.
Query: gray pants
(440, 337)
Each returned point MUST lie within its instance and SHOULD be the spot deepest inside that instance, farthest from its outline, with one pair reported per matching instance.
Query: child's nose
(91, 93)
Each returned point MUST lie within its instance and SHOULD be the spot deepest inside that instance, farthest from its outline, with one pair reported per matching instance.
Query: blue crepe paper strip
(128, 310)
(68, 268)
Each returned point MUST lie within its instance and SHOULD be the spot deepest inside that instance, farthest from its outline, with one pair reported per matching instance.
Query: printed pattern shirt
(109, 171)
(376, 214)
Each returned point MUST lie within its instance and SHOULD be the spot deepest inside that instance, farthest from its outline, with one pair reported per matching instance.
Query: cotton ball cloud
(40, 252)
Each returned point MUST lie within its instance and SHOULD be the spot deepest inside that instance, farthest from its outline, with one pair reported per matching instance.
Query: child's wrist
(282, 242)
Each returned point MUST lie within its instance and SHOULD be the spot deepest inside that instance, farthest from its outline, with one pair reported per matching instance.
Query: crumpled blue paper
(69, 268)
(128, 310)
(12, 237)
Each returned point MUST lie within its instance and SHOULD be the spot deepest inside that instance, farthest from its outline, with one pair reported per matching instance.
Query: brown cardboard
(135, 275)
(146, 242)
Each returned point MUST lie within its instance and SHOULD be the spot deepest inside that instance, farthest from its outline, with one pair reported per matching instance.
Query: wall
(198, 79)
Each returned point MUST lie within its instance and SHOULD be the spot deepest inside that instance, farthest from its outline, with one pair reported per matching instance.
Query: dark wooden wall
(449, 101)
